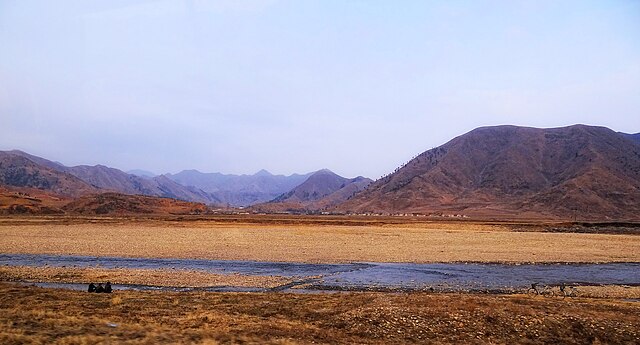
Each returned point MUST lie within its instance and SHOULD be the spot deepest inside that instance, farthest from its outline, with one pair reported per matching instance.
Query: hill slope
(321, 190)
(121, 204)
(26, 200)
(590, 172)
(634, 137)
(19, 171)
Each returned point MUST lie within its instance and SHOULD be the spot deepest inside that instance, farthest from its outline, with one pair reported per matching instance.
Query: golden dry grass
(310, 242)
(153, 277)
(30, 315)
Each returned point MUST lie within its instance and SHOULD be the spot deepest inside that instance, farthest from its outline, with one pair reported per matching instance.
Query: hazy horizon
(155, 173)
(296, 86)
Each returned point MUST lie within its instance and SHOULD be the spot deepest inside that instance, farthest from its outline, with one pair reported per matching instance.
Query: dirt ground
(31, 315)
(328, 240)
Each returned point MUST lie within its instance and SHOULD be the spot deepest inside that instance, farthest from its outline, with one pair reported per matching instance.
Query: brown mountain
(100, 177)
(121, 204)
(19, 171)
(577, 171)
(321, 190)
(39, 160)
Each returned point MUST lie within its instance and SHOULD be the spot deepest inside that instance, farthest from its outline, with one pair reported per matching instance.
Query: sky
(358, 87)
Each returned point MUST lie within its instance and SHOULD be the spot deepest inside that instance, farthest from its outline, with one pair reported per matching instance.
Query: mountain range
(188, 185)
(491, 172)
(102, 178)
(239, 190)
(29, 174)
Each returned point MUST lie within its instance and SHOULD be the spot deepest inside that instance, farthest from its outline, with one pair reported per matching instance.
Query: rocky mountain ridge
(508, 171)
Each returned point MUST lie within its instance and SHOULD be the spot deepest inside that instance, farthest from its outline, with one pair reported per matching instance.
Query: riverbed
(366, 276)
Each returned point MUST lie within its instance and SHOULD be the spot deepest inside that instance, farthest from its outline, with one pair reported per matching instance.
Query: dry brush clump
(37, 315)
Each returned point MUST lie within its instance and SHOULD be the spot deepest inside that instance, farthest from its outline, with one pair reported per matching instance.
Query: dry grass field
(312, 240)
(31, 315)
(150, 277)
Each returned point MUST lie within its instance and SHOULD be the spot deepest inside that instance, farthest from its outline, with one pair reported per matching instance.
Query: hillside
(577, 171)
(121, 204)
(634, 137)
(322, 189)
(24, 200)
(239, 190)
(350, 188)
(18, 171)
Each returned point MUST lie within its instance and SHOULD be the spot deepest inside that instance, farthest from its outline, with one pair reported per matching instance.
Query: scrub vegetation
(39, 315)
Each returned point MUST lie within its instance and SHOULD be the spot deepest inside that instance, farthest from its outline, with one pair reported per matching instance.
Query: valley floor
(35, 315)
(320, 240)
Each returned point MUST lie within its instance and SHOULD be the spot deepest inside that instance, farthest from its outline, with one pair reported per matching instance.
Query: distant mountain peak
(324, 171)
(263, 172)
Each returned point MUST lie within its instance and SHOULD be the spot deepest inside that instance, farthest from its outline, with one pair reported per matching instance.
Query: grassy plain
(32, 315)
(315, 239)
(42, 316)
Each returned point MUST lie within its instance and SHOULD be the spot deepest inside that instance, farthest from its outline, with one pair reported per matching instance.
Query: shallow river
(364, 276)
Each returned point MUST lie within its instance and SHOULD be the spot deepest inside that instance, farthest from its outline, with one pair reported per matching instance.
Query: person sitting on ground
(92, 287)
(99, 288)
(107, 287)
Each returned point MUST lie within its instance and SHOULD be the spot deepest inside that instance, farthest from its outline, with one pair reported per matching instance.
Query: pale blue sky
(358, 87)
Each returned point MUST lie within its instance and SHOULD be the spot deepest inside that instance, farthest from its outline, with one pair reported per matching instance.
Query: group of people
(106, 288)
